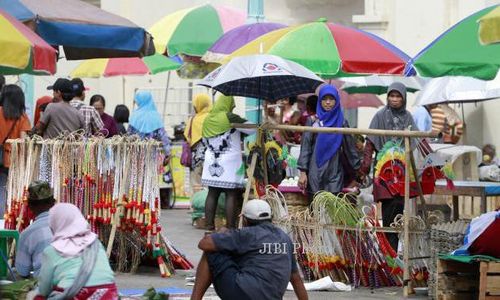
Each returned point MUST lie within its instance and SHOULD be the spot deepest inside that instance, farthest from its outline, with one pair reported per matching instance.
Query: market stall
(346, 242)
(115, 184)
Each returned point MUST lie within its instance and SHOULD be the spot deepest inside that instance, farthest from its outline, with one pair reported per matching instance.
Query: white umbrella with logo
(262, 76)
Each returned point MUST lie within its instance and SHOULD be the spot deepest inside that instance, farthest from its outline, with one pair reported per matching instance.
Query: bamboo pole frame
(406, 214)
(406, 134)
(352, 228)
(397, 133)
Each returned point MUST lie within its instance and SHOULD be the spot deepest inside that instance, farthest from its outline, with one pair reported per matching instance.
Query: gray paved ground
(177, 227)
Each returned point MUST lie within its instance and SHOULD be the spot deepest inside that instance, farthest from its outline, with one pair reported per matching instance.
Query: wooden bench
(457, 280)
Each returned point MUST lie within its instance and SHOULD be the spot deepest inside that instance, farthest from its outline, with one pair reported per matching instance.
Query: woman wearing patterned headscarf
(393, 116)
(223, 169)
(202, 105)
(322, 163)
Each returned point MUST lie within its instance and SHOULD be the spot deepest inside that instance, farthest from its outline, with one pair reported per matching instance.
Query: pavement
(177, 227)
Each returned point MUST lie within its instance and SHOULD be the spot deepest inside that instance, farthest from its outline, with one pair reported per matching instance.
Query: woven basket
(296, 202)
(296, 199)
(445, 237)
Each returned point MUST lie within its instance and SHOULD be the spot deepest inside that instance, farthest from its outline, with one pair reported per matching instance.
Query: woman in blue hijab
(146, 122)
(327, 158)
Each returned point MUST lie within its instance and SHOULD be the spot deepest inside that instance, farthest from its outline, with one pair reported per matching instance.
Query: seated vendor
(490, 156)
(34, 239)
(74, 265)
(244, 264)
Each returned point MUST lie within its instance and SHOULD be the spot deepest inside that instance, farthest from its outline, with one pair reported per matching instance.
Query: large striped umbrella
(458, 52)
(82, 29)
(331, 50)
(192, 31)
(22, 51)
(106, 67)
(236, 38)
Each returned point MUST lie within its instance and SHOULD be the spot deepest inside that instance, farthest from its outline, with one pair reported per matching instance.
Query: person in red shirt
(41, 104)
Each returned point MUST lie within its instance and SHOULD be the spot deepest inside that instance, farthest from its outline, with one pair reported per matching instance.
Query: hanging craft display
(276, 165)
(113, 181)
(338, 239)
(335, 238)
(391, 167)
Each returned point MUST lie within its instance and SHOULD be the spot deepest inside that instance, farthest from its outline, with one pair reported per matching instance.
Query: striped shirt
(92, 119)
(447, 121)
(32, 241)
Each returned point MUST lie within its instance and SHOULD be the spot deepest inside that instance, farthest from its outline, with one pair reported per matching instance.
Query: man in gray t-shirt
(60, 117)
(254, 262)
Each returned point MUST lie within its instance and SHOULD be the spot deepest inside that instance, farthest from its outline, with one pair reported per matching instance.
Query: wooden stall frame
(406, 134)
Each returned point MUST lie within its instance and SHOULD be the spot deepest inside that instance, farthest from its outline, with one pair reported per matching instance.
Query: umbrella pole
(250, 181)
(123, 89)
(166, 97)
(464, 127)
(406, 214)
(419, 187)
(261, 138)
(259, 113)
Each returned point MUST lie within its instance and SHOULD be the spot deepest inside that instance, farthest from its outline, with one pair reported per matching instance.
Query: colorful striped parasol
(331, 50)
(236, 38)
(106, 67)
(192, 31)
(458, 52)
(22, 50)
(84, 30)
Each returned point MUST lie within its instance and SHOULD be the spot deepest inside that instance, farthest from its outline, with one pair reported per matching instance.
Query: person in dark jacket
(322, 162)
(393, 116)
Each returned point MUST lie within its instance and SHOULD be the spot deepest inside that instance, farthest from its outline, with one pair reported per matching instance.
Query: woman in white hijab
(74, 265)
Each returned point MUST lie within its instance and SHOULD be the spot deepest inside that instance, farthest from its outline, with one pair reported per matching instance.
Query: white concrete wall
(408, 24)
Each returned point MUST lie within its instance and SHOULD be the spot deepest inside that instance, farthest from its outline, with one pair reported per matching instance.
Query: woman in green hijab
(223, 169)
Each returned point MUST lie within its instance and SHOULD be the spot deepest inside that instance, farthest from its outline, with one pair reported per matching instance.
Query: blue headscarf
(145, 118)
(327, 144)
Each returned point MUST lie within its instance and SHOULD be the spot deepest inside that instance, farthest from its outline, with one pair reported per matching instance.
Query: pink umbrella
(351, 101)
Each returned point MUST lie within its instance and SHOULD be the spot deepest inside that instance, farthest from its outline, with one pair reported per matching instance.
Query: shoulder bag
(186, 156)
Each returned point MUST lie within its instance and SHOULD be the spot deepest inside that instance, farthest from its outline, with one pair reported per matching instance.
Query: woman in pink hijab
(74, 265)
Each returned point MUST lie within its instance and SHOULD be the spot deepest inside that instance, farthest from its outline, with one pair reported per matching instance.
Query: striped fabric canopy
(22, 51)
(193, 30)
(106, 67)
(84, 30)
(331, 50)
